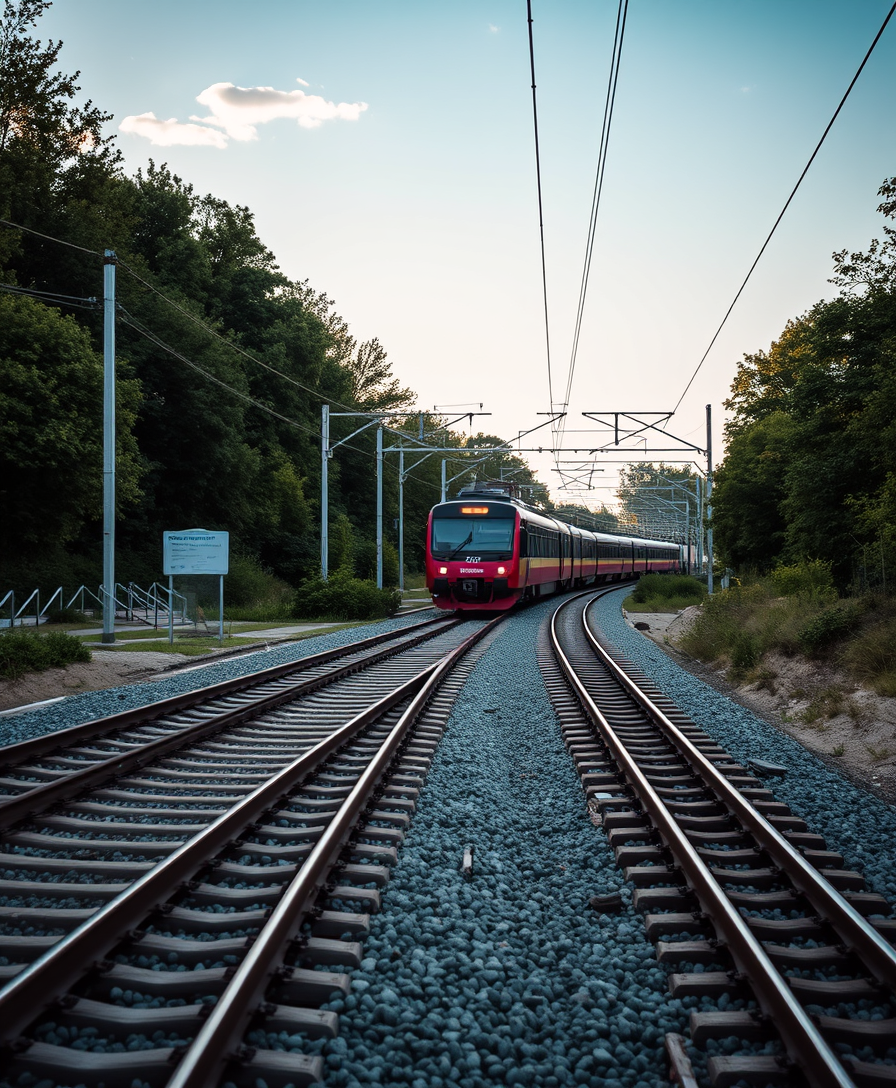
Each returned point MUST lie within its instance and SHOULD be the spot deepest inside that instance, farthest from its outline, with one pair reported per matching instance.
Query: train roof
(495, 494)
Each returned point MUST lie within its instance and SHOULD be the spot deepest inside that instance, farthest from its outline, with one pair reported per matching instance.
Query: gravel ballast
(508, 976)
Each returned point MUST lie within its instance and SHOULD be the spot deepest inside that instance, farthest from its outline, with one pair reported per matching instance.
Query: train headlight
(502, 570)
(443, 570)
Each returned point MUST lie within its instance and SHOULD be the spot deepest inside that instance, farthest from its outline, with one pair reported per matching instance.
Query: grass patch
(22, 652)
(871, 656)
(666, 593)
(153, 641)
(741, 624)
(826, 704)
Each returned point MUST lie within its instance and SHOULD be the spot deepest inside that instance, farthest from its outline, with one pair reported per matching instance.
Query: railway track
(184, 886)
(791, 957)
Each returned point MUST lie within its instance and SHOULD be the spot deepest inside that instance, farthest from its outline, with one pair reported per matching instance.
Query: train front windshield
(486, 538)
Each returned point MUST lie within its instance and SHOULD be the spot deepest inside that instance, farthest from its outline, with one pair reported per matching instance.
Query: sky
(387, 152)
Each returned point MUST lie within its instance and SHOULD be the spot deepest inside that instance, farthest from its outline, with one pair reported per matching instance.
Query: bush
(745, 652)
(344, 598)
(28, 651)
(826, 628)
(812, 577)
(666, 587)
(871, 656)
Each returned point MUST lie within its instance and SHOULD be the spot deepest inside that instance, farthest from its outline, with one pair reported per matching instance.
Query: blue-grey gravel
(507, 976)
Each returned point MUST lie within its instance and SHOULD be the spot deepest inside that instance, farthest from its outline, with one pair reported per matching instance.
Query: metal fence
(133, 604)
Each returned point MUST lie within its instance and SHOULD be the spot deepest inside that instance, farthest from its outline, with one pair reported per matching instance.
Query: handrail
(58, 594)
(128, 599)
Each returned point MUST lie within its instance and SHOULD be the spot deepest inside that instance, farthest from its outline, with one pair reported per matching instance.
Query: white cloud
(238, 110)
(494, 29)
(171, 132)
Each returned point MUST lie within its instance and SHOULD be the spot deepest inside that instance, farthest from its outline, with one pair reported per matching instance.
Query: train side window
(524, 541)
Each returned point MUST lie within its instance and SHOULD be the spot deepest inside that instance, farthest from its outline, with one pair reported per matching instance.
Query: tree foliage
(811, 461)
(224, 364)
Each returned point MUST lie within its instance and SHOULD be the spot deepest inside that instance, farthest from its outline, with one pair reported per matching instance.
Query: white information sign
(196, 551)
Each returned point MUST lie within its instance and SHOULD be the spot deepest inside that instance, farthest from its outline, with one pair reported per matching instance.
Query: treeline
(810, 467)
(223, 364)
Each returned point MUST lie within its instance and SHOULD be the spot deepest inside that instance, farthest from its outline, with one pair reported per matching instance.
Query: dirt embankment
(107, 669)
(848, 726)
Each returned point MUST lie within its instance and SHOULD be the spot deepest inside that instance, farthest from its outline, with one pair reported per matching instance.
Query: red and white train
(487, 550)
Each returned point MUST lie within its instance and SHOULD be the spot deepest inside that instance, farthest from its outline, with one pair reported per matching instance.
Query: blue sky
(401, 180)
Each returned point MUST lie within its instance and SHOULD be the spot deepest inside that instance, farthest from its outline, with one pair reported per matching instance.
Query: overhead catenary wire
(230, 343)
(183, 311)
(830, 124)
(49, 237)
(544, 273)
(612, 81)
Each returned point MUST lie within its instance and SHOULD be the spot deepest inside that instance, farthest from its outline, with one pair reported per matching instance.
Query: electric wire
(48, 237)
(51, 296)
(148, 334)
(787, 204)
(230, 343)
(612, 81)
(181, 310)
(544, 273)
(142, 330)
(138, 327)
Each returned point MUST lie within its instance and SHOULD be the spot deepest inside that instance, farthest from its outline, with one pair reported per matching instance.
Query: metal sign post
(195, 551)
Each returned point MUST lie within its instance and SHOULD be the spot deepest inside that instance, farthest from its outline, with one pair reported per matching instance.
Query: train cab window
(486, 537)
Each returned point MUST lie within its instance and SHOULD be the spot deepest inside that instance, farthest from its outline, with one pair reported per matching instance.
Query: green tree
(46, 142)
(749, 488)
(813, 422)
(51, 427)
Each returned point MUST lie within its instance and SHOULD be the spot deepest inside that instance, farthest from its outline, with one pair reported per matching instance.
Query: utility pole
(325, 455)
(379, 507)
(709, 557)
(109, 446)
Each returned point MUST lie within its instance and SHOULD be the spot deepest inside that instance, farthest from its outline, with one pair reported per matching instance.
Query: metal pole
(699, 525)
(170, 609)
(709, 556)
(221, 609)
(444, 481)
(109, 446)
(401, 516)
(324, 489)
(379, 508)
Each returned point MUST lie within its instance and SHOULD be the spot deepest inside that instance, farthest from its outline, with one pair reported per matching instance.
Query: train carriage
(487, 550)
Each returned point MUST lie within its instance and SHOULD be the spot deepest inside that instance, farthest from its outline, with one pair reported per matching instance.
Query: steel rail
(23, 805)
(876, 953)
(34, 989)
(801, 1037)
(211, 1049)
(12, 754)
